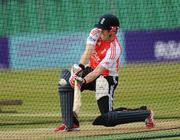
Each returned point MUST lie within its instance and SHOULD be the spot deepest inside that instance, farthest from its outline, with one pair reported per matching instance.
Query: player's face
(107, 35)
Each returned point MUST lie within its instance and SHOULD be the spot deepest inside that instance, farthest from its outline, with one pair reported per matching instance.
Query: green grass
(157, 135)
(155, 85)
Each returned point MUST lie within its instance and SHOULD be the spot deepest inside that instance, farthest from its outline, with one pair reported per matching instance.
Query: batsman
(97, 71)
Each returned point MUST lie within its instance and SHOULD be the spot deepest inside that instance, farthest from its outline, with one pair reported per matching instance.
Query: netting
(39, 38)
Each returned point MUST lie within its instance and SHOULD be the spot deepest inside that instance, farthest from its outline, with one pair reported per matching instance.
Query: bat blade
(77, 98)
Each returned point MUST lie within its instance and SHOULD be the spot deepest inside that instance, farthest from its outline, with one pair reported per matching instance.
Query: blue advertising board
(45, 50)
(31, 51)
(157, 45)
(4, 53)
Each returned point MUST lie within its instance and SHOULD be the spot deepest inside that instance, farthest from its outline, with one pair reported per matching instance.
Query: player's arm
(86, 54)
(90, 45)
(94, 74)
(106, 64)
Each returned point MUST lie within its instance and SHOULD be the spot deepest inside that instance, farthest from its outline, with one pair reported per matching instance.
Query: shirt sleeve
(93, 36)
(113, 53)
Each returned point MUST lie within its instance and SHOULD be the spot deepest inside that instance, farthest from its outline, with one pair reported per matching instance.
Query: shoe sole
(68, 130)
(75, 129)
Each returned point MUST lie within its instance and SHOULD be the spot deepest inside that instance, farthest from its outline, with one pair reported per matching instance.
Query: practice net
(40, 38)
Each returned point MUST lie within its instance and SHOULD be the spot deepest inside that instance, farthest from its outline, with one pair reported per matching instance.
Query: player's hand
(95, 33)
(75, 72)
(80, 81)
(76, 69)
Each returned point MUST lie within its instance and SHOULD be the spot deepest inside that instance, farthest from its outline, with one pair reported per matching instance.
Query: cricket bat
(77, 98)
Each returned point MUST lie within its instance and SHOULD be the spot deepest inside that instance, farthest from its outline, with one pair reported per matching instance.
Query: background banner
(32, 51)
(4, 53)
(45, 50)
(158, 45)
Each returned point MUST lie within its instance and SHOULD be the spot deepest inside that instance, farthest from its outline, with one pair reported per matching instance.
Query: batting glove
(80, 81)
(76, 71)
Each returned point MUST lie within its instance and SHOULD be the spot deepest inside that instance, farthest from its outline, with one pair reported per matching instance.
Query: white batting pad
(102, 87)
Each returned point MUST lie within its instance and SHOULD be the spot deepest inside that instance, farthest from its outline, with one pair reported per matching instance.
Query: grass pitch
(155, 85)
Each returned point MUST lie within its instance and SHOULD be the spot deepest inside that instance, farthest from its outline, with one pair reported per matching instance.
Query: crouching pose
(98, 71)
